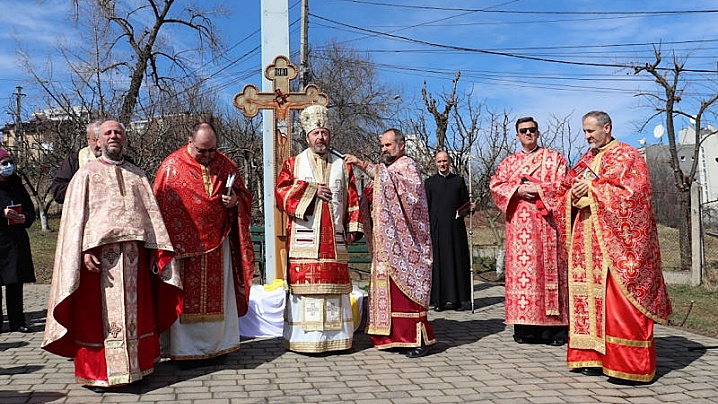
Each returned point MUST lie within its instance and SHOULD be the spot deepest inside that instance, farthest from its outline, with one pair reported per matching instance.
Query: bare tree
(441, 118)
(360, 105)
(159, 103)
(138, 31)
(673, 86)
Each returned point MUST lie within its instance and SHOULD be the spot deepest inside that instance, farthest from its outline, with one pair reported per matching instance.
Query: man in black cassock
(448, 204)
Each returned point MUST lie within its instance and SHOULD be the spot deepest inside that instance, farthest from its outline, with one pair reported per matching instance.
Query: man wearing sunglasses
(207, 216)
(536, 283)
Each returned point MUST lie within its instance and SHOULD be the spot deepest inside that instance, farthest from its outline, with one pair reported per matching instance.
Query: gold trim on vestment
(320, 289)
(209, 356)
(629, 342)
(319, 346)
(630, 376)
(584, 364)
(409, 315)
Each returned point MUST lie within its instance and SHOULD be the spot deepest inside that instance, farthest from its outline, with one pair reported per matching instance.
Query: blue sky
(530, 57)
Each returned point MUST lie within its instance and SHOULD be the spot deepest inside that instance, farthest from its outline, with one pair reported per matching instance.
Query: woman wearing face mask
(16, 268)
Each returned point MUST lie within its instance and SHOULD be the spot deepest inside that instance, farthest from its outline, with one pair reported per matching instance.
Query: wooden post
(281, 100)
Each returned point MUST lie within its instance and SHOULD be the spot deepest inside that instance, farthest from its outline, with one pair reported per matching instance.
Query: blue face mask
(7, 170)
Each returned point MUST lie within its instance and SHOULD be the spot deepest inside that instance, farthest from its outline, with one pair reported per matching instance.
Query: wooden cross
(281, 100)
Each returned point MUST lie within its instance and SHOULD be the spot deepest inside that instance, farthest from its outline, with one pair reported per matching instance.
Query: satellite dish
(642, 142)
(658, 131)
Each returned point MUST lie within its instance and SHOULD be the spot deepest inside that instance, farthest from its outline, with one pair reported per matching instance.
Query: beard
(112, 152)
(388, 159)
(320, 148)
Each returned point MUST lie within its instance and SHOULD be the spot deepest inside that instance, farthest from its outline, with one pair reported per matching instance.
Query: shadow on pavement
(30, 397)
(453, 333)
(675, 353)
(4, 346)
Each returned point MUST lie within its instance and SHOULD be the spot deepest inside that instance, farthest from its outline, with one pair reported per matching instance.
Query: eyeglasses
(6, 163)
(210, 150)
(531, 129)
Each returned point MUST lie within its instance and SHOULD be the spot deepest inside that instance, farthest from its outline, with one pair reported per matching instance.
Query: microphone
(336, 152)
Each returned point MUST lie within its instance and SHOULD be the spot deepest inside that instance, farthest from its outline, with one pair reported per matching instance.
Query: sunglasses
(524, 130)
(6, 163)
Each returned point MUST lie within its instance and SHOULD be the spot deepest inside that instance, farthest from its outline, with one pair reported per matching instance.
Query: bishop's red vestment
(318, 314)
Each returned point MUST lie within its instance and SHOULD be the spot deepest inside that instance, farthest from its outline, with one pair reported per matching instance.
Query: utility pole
(20, 147)
(304, 47)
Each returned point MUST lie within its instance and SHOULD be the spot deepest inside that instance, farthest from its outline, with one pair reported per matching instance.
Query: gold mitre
(313, 117)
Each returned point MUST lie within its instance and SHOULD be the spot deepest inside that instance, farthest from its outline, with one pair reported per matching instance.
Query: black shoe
(592, 371)
(438, 308)
(418, 352)
(96, 389)
(557, 342)
(624, 382)
(459, 307)
(20, 328)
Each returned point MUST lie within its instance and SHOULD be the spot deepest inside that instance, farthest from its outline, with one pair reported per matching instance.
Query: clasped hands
(579, 188)
(528, 191)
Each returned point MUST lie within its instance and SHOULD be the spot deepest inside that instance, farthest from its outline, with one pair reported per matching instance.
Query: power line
(489, 52)
(532, 12)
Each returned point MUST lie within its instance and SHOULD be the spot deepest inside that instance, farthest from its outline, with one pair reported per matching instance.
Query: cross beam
(281, 101)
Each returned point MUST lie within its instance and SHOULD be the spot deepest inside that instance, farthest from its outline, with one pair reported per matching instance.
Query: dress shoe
(592, 371)
(418, 352)
(438, 308)
(96, 389)
(459, 307)
(20, 328)
(557, 342)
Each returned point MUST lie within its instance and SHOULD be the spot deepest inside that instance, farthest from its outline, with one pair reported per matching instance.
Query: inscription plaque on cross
(281, 101)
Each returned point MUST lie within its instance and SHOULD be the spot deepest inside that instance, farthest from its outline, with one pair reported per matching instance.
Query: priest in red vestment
(112, 290)
(400, 286)
(317, 191)
(207, 212)
(616, 287)
(536, 262)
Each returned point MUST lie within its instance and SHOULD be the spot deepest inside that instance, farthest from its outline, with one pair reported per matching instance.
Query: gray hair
(398, 135)
(94, 127)
(601, 117)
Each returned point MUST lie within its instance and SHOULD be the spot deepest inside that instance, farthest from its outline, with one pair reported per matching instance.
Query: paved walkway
(475, 361)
